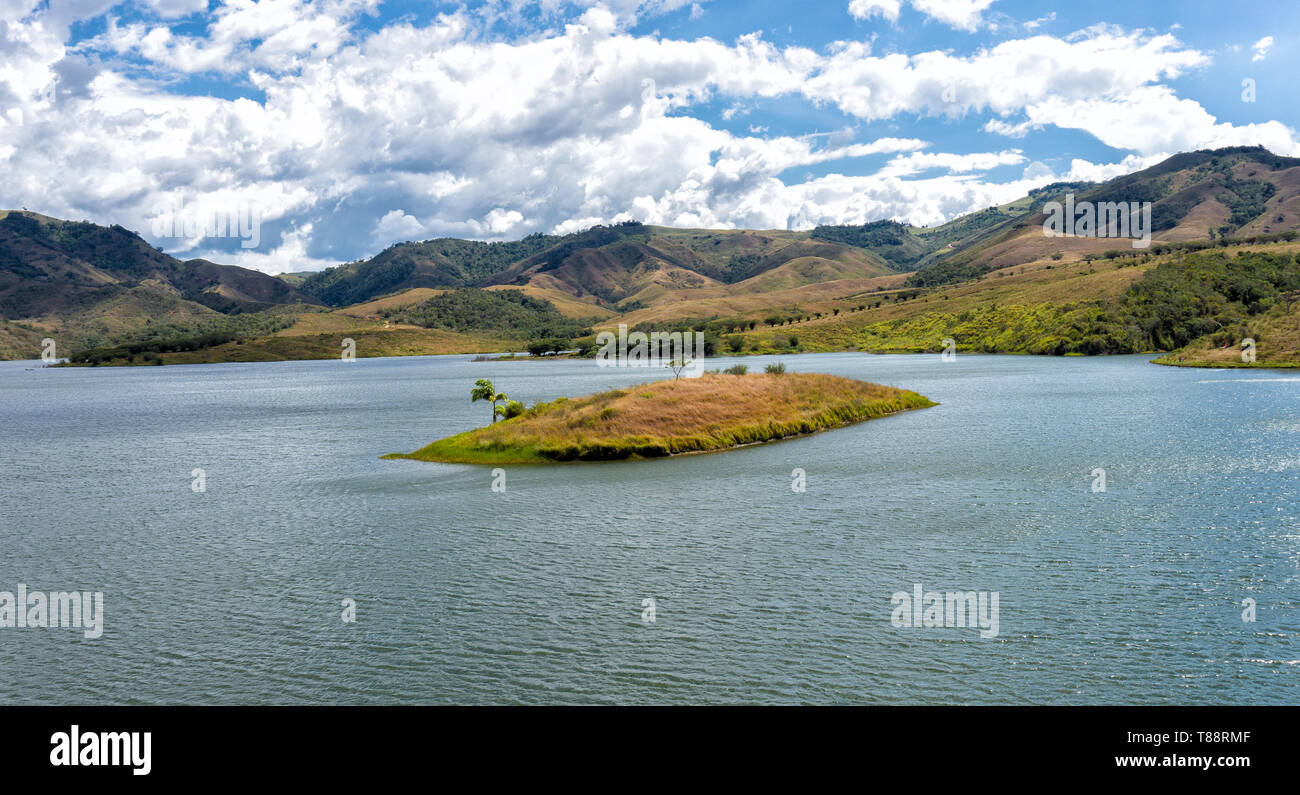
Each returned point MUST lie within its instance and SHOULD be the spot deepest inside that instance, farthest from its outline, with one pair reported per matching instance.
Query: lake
(227, 586)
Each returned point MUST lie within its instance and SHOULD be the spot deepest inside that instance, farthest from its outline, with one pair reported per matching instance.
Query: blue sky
(347, 125)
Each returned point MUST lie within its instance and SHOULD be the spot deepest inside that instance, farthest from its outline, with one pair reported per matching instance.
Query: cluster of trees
(711, 329)
(1209, 294)
(1223, 241)
(945, 273)
(113, 248)
(1206, 293)
(541, 347)
(595, 237)
(194, 335)
(890, 240)
(507, 313)
(743, 266)
(444, 262)
(1248, 200)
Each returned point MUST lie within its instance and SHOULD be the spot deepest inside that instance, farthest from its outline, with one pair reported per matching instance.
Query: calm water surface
(534, 595)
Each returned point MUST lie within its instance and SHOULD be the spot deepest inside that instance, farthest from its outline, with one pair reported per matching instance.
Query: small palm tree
(484, 390)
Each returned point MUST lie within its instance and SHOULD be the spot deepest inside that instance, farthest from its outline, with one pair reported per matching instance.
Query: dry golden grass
(731, 301)
(564, 303)
(712, 412)
(409, 297)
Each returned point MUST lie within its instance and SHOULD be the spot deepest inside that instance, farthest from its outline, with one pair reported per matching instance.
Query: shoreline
(482, 358)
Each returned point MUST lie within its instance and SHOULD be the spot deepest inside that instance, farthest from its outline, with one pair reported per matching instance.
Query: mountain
(994, 276)
(1237, 192)
(445, 262)
(86, 284)
(628, 263)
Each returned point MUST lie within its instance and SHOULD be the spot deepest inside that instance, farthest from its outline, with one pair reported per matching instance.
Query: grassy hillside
(712, 412)
(509, 313)
(1126, 304)
(19, 341)
(606, 268)
(86, 285)
(1276, 333)
(445, 262)
(1203, 195)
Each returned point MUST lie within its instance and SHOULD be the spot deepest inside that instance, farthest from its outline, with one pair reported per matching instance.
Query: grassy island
(691, 415)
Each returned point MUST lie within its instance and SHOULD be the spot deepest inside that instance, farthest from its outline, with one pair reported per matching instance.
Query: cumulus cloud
(352, 139)
(960, 14)
(865, 9)
(1151, 119)
(1261, 48)
(1086, 171)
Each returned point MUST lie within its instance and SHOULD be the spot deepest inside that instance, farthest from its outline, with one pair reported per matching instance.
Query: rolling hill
(877, 286)
(1238, 192)
(86, 284)
(605, 267)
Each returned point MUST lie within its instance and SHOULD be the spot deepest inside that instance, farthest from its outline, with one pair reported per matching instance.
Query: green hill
(86, 285)
(993, 278)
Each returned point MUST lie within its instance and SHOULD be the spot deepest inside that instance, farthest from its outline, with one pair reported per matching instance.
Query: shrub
(737, 369)
(776, 368)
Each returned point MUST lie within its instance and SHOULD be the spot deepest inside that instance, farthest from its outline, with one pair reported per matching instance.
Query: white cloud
(1000, 127)
(1085, 171)
(501, 221)
(1261, 48)
(1037, 170)
(1035, 24)
(960, 14)
(277, 35)
(396, 226)
(865, 9)
(291, 255)
(919, 162)
(1004, 79)
(1151, 119)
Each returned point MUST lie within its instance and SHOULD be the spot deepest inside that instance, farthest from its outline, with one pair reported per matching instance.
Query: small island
(715, 411)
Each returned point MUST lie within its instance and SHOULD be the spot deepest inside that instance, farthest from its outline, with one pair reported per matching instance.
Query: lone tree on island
(484, 390)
